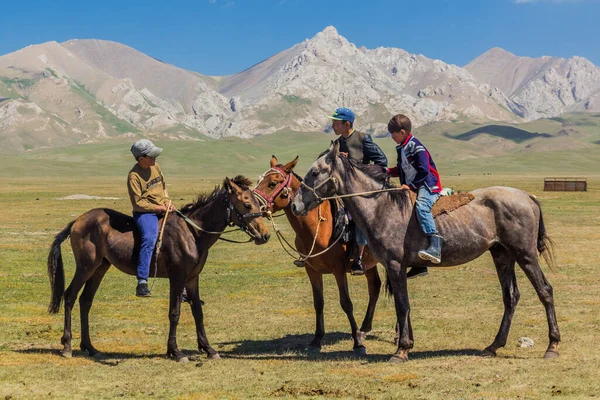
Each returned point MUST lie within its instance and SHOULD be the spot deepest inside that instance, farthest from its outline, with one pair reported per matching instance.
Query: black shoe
(417, 271)
(357, 268)
(142, 290)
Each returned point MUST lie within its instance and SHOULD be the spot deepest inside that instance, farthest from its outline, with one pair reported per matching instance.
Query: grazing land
(258, 306)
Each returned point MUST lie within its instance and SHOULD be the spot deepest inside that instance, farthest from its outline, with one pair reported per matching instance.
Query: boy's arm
(372, 152)
(139, 204)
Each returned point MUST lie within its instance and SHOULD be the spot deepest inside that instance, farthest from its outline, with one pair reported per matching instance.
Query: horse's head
(247, 213)
(318, 182)
(274, 187)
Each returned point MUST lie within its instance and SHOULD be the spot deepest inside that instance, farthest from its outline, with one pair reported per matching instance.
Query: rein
(341, 196)
(230, 209)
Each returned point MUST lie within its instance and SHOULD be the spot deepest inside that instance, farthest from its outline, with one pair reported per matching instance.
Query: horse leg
(374, 284)
(193, 293)
(85, 304)
(397, 277)
(316, 281)
(346, 303)
(505, 267)
(176, 290)
(81, 276)
(530, 265)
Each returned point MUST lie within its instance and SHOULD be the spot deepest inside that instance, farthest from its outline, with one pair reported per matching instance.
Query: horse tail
(56, 272)
(545, 245)
(388, 285)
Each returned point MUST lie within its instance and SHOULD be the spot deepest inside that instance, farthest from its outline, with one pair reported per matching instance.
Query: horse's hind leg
(397, 278)
(81, 276)
(530, 265)
(85, 304)
(374, 284)
(196, 305)
(346, 303)
(505, 267)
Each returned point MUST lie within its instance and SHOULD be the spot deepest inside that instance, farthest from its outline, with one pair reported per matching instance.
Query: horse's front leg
(193, 292)
(176, 290)
(397, 277)
(316, 281)
(346, 303)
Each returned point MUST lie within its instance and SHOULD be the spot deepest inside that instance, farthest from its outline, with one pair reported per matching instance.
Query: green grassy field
(259, 312)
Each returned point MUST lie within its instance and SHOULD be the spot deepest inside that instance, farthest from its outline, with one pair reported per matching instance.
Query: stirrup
(300, 263)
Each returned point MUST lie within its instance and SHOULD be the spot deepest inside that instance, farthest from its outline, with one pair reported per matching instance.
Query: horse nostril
(294, 208)
(267, 237)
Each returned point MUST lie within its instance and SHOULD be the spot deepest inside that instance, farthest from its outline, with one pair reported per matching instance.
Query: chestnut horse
(276, 187)
(103, 237)
(506, 222)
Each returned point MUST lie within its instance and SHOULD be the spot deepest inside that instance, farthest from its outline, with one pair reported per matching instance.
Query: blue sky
(221, 37)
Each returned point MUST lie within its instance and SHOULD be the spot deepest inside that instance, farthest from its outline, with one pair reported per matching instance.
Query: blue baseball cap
(343, 114)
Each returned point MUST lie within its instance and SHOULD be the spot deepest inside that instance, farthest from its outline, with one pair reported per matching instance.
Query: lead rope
(159, 244)
(304, 257)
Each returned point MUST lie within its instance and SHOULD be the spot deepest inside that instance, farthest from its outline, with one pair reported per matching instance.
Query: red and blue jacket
(415, 166)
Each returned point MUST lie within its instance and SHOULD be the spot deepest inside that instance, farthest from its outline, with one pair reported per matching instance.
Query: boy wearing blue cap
(360, 147)
(148, 195)
(418, 172)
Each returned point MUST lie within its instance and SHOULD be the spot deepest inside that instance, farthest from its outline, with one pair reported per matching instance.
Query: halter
(243, 225)
(268, 201)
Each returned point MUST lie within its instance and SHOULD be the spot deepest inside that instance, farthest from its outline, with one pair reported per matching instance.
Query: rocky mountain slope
(89, 90)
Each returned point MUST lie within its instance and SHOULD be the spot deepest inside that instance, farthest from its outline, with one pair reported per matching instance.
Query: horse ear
(290, 166)
(228, 185)
(273, 161)
(335, 150)
(232, 187)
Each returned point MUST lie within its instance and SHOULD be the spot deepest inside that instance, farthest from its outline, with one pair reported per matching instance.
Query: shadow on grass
(295, 347)
(112, 358)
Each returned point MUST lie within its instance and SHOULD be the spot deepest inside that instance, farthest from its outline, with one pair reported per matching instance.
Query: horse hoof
(215, 356)
(66, 354)
(488, 353)
(183, 360)
(551, 354)
(360, 351)
(397, 359)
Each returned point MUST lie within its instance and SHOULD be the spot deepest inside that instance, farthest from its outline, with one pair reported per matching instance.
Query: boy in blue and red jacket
(418, 173)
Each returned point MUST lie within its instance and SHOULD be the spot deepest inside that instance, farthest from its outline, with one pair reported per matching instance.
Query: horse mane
(205, 198)
(379, 175)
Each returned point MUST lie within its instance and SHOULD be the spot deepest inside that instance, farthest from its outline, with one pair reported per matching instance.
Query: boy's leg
(147, 224)
(426, 200)
(361, 241)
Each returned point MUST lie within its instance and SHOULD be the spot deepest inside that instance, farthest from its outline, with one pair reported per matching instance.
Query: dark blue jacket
(419, 161)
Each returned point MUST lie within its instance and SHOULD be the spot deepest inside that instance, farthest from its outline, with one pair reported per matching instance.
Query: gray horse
(508, 222)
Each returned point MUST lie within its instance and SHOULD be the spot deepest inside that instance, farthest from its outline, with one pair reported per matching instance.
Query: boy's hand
(343, 154)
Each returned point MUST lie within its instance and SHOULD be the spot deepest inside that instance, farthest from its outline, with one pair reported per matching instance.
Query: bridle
(268, 201)
(231, 210)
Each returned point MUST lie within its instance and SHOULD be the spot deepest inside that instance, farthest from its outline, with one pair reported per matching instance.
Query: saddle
(446, 204)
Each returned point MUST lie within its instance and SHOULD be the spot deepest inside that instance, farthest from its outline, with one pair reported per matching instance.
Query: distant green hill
(228, 157)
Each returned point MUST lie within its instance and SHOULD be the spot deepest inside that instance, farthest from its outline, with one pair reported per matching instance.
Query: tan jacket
(147, 188)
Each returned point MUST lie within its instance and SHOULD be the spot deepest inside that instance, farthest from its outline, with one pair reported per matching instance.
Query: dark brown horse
(277, 186)
(506, 222)
(103, 237)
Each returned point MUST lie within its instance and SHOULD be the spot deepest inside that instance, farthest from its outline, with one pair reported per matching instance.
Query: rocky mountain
(540, 87)
(56, 94)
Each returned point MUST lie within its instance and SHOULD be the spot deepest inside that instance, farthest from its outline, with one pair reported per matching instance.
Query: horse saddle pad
(447, 204)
